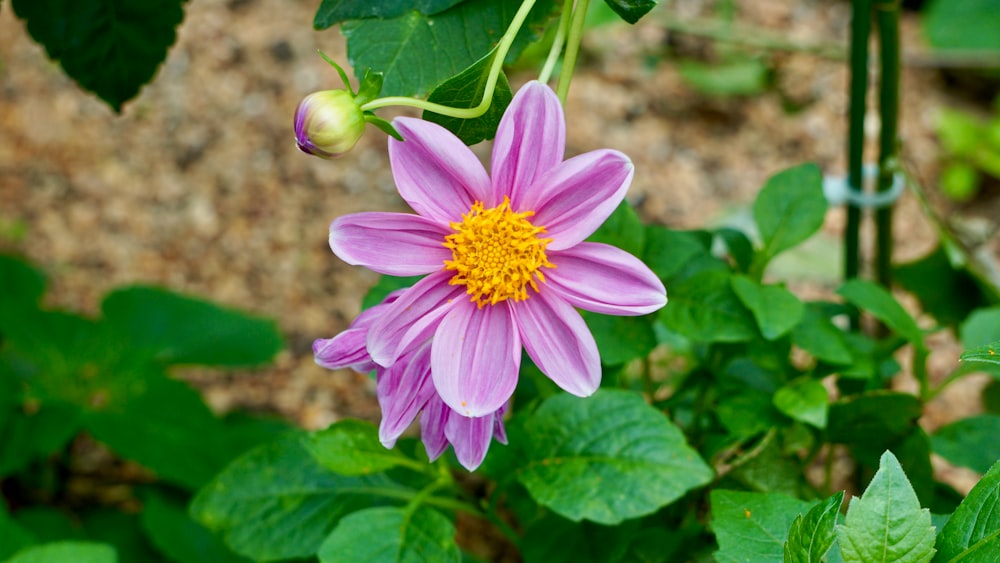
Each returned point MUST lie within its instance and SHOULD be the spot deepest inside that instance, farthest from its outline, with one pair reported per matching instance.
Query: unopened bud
(328, 123)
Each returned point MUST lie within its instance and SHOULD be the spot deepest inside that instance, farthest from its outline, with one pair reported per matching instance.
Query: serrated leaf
(332, 12)
(276, 502)
(77, 552)
(775, 308)
(391, 534)
(805, 400)
(789, 209)
(817, 335)
(876, 300)
(972, 534)
(812, 534)
(752, 526)
(108, 48)
(352, 447)
(170, 528)
(704, 307)
(887, 524)
(621, 339)
(631, 10)
(465, 90)
(970, 442)
(606, 458)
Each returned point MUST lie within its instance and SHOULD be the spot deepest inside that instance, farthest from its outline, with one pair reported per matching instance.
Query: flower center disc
(496, 253)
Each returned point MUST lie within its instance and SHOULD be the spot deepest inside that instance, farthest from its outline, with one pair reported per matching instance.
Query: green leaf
(13, 537)
(67, 551)
(880, 303)
(385, 286)
(416, 52)
(667, 251)
(775, 308)
(970, 24)
(621, 339)
(332, 12)
(176, 329)
(465, 90)
(972, 534)
(21, 285)
(981, 328)
(553, 539)
(121, 531)
(887, 524)
(817, 335)
(606, 458)
(352, 447)
(739, 246)
(970, 442)
(752, 526)
(170, 528)
(623, 229)
(631, 10)
(391, 534)
(276, 502)
(874, 419)
(704, 307)
(989, 354)
(108, 48)
(788, 210)
(811, 535)
(947, 293)
(30, 432)
(805, 400)
(742, 77)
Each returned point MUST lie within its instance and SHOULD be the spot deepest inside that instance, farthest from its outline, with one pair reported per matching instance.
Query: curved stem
(499, 55)
(557, 42)
(572, 49)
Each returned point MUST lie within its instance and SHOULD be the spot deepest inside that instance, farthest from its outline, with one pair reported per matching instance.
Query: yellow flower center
(496, 254)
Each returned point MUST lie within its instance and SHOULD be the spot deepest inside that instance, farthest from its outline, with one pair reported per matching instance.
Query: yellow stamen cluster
(496, 254)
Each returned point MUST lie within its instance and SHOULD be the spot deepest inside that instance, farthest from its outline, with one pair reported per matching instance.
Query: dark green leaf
(352, 447)
(739, 246)
(175, 534)
(747, 414)
(332, 12)
(705, 308)
(67, 551)
(970, 442)
(811, 535)
(13, 537)
(804, 400)
(623, 229)
(988, 354)
(176, 329)
(606, 458)
(385, 286)
(752, 526)
(788, 210)
(391, 534)
(887, 524)
(972, 534)
(775, 308)
(877, 418)
(970, 24)
(21, 285)
(880, 303)
(742, 77)
(33, 431)
(944, 292)
(621, 339)
(465, 90)
(631, 10)
(554, 539)
(49, 524)
(121, 531)
(276, 502)
(667, 251)
(767, 469)
(982, 327)
(108, 48)
(817, 335)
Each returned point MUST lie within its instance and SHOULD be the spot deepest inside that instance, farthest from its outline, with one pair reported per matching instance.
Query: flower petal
(413, 317)
(435, 172)
(403, 390)
(604, 279)
(475, 357)
(347, 349)
(530, 140)
(470, 437)
(559, 342)
(577, 196)
(396, 244)
(432, 425)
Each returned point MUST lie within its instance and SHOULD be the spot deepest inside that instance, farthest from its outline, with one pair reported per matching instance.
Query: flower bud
(328, 123)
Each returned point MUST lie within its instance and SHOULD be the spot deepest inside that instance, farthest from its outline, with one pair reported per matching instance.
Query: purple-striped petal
(559, 342)
(604, 279)
(499, 430)
(402, 391)
(396, 244)
(530, 141)
(435, 172)
(578, 195)
(475, 357)
(470, 437)
(413, 317)
(432, 425)
(346, 350)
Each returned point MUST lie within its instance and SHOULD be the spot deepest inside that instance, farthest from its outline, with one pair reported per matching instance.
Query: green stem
(557, 42)
(887, 20)
(860, 30)
(920, 373)
(491, 80)
(572, 49)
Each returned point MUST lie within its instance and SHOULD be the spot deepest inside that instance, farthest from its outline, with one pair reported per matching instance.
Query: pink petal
(475, 358)
(396, 244)
(559, 342)
(604, 279)
(470, 437)
(413, 317)
(432, 424)
(577, 196)
(530, 141)
(435, 172)
(403, 390)
(499, 430)
(347, 349)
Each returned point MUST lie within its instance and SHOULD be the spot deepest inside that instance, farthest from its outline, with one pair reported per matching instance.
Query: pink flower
(503, 255)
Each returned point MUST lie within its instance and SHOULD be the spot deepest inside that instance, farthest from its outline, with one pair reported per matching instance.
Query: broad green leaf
(876, 300)
(972, 534)
(276, 502)
(874, 419)
(775, 308)
(788, 210)
(988, 354)
(739, 246)
(170, 528)
(817, 335)
(667, 252)
(384, 286)
(391, 534)
(553, 539)
(970, 442)
(108, 48)
(352, 447)
(416, 52)
(631, 10)
(982, 327)
(748, 413)
(812, 534)
(752, 526)
(969, 24)
(332, 12)
(887, 524)
(947, 293)
(466, 90)
(621, 339)
(606, 458)
(704, 307)
(742, 77)
(21, 285)
(67, 551)
(805, 400)
(766, 468)
(176, 329)
(13, 537)
(48, 524)
(121, 531)
(623, 229)
(32, 431)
